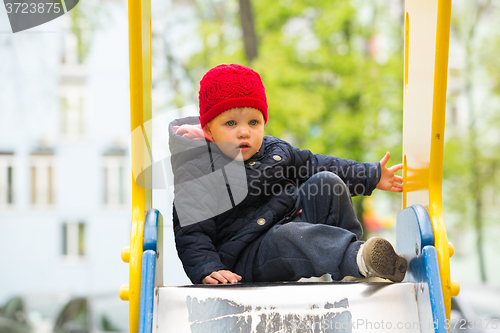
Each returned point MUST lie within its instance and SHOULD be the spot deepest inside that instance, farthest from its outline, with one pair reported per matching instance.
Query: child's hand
(222, 276)
(388, 180)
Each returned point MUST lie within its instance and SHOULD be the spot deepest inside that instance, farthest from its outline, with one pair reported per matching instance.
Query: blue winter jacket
(230, 239)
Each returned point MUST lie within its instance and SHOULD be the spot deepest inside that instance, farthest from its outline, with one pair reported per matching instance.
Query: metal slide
(413, 306)
(421, 303)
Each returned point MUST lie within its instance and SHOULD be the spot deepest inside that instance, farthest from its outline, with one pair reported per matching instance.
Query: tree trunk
(247, 25)
(479, 238)
(476, 180)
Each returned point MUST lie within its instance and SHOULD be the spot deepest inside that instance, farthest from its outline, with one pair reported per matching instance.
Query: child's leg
(326, 242)
(325, 199)
(295, 250)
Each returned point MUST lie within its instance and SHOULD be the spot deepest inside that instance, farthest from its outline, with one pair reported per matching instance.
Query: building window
(70, 44)
(73, 240)
(73, 97)
(42, 179)
(72, 104)
(6, 180)
(114, 172)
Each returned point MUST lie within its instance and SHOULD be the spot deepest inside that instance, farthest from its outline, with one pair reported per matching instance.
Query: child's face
(237, 130)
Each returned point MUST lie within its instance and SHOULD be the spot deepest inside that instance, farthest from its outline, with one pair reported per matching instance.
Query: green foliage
(472, 154)
(491, 49)
(85, 20)
(327, 88)
(326, 91)
(457, 197)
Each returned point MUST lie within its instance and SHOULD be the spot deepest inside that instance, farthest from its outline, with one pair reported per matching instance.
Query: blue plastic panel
(148, 272)
(435, 290)
(414, 232)
(425, 225)
(415, 241)
(150, 230)
(413, 227)
(147, 291)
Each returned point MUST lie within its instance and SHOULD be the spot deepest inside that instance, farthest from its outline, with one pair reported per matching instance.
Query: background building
(64, 164)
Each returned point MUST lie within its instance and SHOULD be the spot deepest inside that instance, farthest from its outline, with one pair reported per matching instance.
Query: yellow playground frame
(139, 13)
(423, 162)
(424, 121)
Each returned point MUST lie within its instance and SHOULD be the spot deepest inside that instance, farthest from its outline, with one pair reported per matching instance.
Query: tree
(85, 19)
(329, 88)
(247, 25)
(472, 153)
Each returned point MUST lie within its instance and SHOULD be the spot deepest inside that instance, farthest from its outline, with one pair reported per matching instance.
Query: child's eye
(231, 123)
(253, 122)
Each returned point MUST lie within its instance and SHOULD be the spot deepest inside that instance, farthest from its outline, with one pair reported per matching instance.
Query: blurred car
(33, 313)
(104, 313)
(476, 310)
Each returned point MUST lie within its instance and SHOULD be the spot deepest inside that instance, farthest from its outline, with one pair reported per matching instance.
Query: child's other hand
(388, 180)
(222, 276)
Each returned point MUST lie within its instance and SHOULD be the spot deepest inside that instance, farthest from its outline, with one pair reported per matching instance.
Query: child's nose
(243, 132)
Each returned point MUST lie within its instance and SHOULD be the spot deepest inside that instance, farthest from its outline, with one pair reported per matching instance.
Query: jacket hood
(183, 149)
(177, 143)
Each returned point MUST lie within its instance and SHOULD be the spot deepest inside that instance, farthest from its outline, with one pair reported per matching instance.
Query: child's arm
(360, 178)
(388, 180)
(196, 235)
(195, 248)
(222, 276)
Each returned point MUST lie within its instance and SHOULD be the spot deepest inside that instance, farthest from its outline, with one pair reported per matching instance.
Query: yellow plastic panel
(427, 29)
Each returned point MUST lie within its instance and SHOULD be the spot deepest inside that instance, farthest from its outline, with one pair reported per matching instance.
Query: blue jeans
(322, 239)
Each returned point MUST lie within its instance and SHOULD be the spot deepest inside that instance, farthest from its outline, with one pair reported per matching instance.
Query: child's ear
(207, 131)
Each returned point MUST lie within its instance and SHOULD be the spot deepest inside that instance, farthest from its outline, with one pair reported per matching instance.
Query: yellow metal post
(139, 12)
(437, 149)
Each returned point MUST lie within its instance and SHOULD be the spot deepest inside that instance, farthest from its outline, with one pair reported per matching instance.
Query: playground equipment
(420, 304)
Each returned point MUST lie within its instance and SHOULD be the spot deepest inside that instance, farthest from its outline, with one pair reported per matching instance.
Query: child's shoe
(377, 258)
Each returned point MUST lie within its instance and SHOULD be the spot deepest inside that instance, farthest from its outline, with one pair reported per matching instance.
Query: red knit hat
(230, 86)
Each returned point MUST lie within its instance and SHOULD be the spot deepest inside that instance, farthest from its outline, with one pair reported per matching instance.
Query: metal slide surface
(290, 307)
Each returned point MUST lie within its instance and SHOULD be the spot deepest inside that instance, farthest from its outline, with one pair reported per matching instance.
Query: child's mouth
(244, 147)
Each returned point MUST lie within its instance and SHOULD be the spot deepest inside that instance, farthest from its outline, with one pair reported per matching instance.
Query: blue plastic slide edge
(150, 230)
(148, 271)
(425, 225)
(414, 227)
(414, 232)
(147, 291)
(435, 291)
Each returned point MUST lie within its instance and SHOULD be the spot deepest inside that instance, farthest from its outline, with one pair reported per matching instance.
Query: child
(295, 218)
